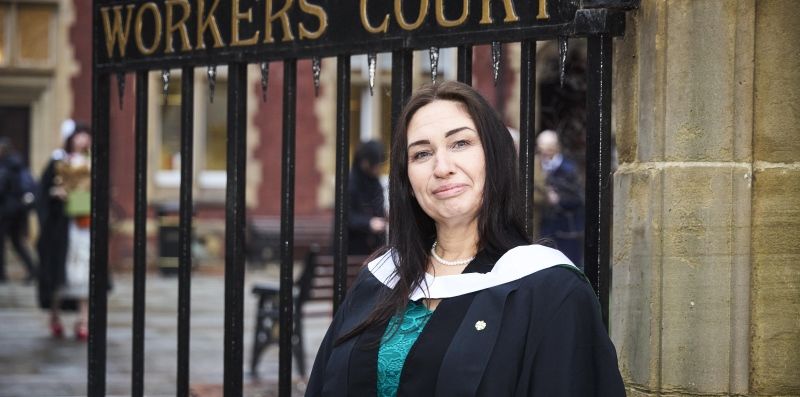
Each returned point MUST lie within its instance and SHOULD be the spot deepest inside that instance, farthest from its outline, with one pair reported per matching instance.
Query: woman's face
(446, 165)
(81, 143)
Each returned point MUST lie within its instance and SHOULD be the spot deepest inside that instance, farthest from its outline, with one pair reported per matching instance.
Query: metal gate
(140, 36)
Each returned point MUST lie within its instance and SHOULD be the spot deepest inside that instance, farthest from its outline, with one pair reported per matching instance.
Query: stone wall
(706, 270)
(775, 252)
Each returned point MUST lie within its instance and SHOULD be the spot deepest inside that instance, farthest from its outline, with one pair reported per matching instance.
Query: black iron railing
(145, 50)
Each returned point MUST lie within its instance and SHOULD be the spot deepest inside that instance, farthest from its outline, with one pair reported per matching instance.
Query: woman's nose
(443, 166)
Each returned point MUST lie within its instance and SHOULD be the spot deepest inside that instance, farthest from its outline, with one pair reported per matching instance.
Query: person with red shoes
(64, 242)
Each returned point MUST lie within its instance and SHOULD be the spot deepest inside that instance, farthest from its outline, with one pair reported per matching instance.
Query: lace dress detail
(395, 345)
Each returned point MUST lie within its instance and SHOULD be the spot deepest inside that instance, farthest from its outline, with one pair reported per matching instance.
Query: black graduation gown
(543, 337)
(53, 241)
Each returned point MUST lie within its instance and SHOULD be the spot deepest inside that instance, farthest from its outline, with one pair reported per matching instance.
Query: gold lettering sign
(318, 12)
(362, 11)
(398, 14)
(162, 27)
(209, 22)
(180, 26)
(237, 17)
(283, 16)
(511, 15)
(149, 6)
(446, 23)
(543, 10)
(115, 32)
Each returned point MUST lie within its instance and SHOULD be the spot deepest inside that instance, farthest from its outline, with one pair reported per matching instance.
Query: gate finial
(264, 80)
(165, 81)
(434, 55)
(373, 60)
(316, 70)
(563, 48)
(497, 50)
(212, 81)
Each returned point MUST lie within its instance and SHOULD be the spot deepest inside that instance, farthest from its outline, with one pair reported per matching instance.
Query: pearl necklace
(457, 262)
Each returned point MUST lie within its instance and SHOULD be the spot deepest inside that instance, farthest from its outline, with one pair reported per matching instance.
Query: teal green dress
(395, 345)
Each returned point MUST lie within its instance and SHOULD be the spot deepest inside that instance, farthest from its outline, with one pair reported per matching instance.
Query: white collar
(515, 264)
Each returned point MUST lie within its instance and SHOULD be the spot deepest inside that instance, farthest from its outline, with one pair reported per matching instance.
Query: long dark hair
(412, 231)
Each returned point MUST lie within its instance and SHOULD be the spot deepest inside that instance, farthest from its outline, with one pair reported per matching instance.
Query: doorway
(15, 124)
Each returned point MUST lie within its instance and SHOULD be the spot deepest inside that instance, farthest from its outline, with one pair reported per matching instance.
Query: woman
(460, 304)
(63, 246)
(366, 223)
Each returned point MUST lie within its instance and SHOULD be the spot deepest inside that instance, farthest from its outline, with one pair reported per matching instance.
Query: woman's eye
(420, 155)
(461, 144)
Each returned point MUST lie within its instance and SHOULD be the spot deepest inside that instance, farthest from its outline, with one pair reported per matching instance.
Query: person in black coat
(460, 303)
(16, 202)
(366, 227)
(63, 244)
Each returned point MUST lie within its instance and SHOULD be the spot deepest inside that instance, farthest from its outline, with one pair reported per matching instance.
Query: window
(210, 130)
(27, 33)
(212, 173)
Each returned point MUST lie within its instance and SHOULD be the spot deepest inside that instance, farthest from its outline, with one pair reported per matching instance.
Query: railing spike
(264, 80)
(497, 50)
(563, 48)
(165, 82)
(212, 81)
(434, 56)
(316, 69)
(372, 60)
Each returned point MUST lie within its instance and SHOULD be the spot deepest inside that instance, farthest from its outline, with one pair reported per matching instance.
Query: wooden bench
(263, 237)
(315, 282)
(322, 283)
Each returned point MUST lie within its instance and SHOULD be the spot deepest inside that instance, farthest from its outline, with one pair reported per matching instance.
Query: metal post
(342, 170)
(98, 267)
(464, 73)
(287, 227)
(402, 66)
(185, 228)
(527, 96)
(598, 167)
(139, 236)
(234, 228)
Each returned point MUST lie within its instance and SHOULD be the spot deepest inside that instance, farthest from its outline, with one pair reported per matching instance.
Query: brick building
(45, 78)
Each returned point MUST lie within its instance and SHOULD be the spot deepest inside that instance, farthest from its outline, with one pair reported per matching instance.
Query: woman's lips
(449, 190)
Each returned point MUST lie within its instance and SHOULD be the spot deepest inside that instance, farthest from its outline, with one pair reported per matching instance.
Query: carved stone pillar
(706, 260)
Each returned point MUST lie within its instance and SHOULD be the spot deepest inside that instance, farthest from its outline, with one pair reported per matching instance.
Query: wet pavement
(32, 363)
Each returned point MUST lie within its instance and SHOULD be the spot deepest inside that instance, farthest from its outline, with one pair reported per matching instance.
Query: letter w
(114, 33)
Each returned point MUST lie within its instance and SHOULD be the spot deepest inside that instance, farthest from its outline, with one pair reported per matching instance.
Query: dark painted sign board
(141, 33)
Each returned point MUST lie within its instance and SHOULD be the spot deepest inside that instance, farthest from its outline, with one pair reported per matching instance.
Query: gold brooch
(480, 325)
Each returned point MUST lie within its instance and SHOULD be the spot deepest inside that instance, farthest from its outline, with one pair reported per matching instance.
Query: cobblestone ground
(34, 364)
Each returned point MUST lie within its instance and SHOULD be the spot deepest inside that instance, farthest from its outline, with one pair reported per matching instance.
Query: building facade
(45, 78)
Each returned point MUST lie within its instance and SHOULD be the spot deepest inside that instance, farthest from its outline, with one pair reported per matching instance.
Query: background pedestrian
(64, 215)
(562, 210)
(17, 198)
(366, 226)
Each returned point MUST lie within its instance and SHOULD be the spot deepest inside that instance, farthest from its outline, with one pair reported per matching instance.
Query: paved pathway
(34, 364)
